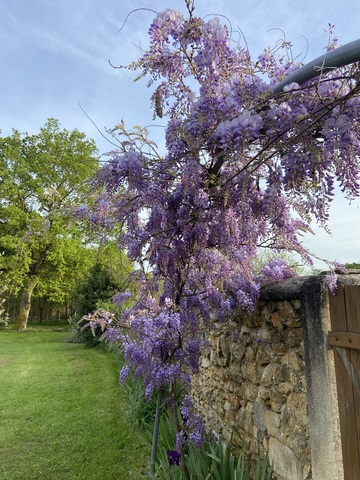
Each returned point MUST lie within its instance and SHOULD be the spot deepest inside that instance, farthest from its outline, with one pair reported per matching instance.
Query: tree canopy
(42, 176)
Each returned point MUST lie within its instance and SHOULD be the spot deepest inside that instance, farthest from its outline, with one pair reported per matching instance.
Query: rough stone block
(205, 362)
(272, 422)
(259, 416)
(264, 356)
(286, 310)
(250, 391)
(293, 337)
(276, 320)
(286, 463)
(295, 361)
(271, 374)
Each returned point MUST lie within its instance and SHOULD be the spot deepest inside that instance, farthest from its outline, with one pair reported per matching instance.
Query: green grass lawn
(62, 414)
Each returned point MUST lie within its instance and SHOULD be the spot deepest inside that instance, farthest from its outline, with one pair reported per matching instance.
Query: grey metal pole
(155, 435)
(345, 55)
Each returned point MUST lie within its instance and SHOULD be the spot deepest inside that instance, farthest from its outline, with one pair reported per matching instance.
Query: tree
(42, 176)
(245, 170)
(353, 265)
(109, 274)
(56, 288)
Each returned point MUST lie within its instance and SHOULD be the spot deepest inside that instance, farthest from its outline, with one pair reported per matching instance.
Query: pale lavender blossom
(243, 170)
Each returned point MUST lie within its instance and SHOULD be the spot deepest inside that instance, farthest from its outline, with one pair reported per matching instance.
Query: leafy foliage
(109, 274)
(42, 177)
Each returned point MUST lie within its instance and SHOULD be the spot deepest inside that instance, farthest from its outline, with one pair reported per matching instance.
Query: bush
(94, 291)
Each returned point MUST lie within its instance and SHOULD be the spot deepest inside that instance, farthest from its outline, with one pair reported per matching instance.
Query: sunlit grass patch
(62, 414)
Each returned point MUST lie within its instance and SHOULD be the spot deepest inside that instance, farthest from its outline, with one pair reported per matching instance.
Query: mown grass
(62, 414)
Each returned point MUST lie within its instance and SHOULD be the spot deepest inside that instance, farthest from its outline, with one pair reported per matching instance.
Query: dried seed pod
(158, 103)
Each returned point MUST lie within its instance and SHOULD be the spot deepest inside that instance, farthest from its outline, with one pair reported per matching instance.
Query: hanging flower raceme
(244, 170)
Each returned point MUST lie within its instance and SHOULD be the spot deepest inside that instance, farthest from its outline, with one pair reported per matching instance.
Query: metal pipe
(345, 55)
(155, 435)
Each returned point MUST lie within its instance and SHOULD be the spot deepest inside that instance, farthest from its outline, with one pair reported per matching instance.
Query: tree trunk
(25, 303)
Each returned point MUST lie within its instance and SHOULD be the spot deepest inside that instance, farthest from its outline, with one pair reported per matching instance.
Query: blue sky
(54, 55)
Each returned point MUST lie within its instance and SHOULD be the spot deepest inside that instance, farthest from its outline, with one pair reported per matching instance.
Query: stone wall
(253, 381)
(267, 374)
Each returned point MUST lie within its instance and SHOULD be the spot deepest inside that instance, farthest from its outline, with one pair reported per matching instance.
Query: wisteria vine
(245, 170)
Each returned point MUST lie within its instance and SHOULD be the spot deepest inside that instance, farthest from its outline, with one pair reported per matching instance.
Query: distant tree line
(353, 265)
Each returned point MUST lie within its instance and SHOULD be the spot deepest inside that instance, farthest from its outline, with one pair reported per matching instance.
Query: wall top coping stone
(293, 288)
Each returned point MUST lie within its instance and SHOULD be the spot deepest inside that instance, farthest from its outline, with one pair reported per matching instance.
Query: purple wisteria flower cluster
(100, 320)
(245, 170)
